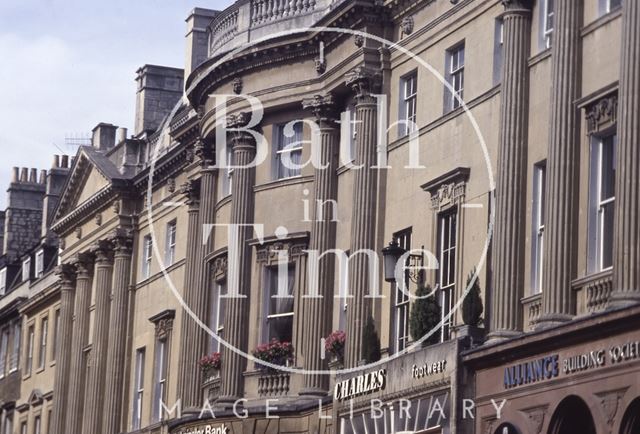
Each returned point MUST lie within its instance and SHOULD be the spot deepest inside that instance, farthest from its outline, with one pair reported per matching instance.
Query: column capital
(204, 151)
(103, 251)
(122, 243)
(364, 81)
(67, 275)
(83, 263)
(323, 107)
(517, 5)
(240, 139)
(191, 189)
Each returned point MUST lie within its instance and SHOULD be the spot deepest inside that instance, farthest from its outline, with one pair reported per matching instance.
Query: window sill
(282, 183)
(537, 58)
(601, 21)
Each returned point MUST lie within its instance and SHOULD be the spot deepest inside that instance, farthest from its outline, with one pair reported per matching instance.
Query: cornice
(86, 210)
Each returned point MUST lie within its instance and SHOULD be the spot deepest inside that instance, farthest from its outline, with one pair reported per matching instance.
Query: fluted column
(242, 203)
(117, 341)
(508, 244)
(626, 265)
(78, 366)
(188, 390)
(563, 159)
(363, 218)
(66, 275)
(323, 239)
(94, 391)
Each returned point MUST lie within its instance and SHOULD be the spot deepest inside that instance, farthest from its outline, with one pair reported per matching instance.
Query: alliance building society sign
(552, 366)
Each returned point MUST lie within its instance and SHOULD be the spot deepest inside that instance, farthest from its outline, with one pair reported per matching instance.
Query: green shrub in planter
(472, 304)
(425, 315)
(370, 342)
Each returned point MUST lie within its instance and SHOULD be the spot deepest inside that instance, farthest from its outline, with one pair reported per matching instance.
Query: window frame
(56, 334)
(282, 148)
(138, 389)
(39, 271)
(3, 281)
(455, 75)
(401, 300)
(348, 134)
(227, 184)
(217, 313)
(447, 292)
(37, 424)
(31, 334)
(269, 294)
(603, 204)
(538, 225)
(26, 269)
(408, 103)
(44, 337)
(548, 22)
(8, 423)
(4, 351)
(170, 243)
(160, 377)
(147, 255)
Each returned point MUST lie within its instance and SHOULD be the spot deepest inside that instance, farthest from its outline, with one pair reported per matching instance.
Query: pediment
(92, 174)
(35, 397)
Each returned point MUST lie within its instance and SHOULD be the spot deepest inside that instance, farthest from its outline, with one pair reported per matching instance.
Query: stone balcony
(249, 20)
(593, 292)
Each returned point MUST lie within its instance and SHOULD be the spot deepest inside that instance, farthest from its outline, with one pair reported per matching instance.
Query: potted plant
(274, 352)
(370, 342)
(472, 310)
(425, 315)
(210, 365)
(334, 345)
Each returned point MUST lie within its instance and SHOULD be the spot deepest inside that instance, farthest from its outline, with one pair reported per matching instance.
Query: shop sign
(205, 429)
(543, 368)
(360, 385)
(428, 369)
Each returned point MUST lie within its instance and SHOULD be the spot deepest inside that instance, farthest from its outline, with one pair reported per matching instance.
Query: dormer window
(26, 269)
(39, 264)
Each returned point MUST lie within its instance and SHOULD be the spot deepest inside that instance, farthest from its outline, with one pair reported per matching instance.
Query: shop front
(582, 377)
(413, 393)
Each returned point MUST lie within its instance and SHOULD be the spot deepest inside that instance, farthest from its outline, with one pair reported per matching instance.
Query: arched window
(631, 419)
(572, 416)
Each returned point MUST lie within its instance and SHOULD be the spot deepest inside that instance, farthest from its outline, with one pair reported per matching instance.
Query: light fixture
(391, 255)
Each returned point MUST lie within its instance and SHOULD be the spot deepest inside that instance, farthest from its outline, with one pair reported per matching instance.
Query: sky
(67, 65)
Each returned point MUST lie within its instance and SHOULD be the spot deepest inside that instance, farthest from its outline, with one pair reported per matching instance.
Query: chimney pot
(15, 177)
(121, 135)
(56, 161)
(65, 161)
(43, 177)
(33, 175)
(24, 175)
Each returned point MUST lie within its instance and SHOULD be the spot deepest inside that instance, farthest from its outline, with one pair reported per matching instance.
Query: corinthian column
(117, 342)
(508, 244)
(188, 389)
(66, 275)
(563, 162)
(239, 259)
(626, 265)
(94, 392)
(318, 309)
(78, 367)
(363, 219)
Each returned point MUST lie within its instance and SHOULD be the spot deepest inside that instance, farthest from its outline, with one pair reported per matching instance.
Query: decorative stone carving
(447, 190)
(66, 274)
(321, 65)
(163, 328)
(189, 155)
(358, 40)
(407, 25)
(203, 152)
(171, 185)
(237, 85)
(364, 81)
(79, 232)
(602, 113)
(322, 106)
(536, 417)
(237, 120)
(610, 402)
(99, 219)
(191, 189)
(447, 195)
(219, 267)
(116, 206)
(268, 253)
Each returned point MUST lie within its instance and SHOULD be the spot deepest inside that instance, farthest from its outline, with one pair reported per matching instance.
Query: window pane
(281, 328)
(608, 174)
(607, 235)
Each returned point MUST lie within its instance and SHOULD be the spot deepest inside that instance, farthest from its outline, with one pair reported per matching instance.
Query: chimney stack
(197, 38)
(104, 136)
(23, 217)
(55, 181)
(121, 135)
(159, 90)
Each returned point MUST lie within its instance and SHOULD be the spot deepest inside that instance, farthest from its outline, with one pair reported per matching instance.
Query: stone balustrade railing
(593, 292)
(532, 306)
(273, 384)
(252, 19)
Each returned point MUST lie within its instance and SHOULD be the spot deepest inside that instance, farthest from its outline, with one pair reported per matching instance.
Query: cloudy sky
(67, 65)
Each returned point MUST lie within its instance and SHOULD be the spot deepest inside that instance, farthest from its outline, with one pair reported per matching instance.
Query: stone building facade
(490, 143)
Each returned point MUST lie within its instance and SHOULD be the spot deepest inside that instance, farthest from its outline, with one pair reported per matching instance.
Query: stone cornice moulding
(448, 189)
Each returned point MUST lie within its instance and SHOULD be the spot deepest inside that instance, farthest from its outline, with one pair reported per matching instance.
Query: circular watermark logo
(292, 164)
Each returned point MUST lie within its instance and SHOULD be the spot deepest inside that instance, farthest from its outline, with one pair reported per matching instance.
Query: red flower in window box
(274, 352)
(334, 344)
(211, 362)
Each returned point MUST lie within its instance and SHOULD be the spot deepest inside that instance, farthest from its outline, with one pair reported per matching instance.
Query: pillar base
(622, 299)
(551, 320)
(498, 336)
